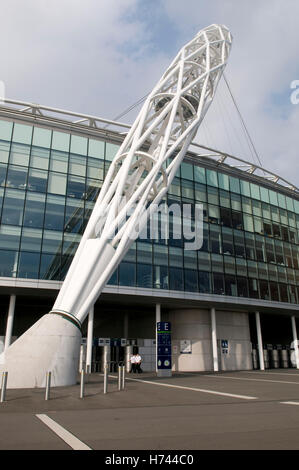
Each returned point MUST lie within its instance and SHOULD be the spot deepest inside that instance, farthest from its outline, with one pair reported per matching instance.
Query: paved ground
(233, 410)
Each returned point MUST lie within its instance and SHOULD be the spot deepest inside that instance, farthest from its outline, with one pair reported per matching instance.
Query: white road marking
(212, 392)
(65, 435)
(290, 402)
(269, 373)
(254, 380)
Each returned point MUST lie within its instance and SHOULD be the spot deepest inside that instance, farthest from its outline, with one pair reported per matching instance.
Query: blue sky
(101, 56)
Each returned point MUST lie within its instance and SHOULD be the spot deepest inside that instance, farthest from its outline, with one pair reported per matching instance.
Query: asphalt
(189, 411)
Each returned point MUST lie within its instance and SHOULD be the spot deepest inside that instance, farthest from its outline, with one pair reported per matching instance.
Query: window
(204, 282)
(191, 280)
(127, 274)
(176, 280)
(28, 265)
(34, 210)
(41, 137)
(144, 276)
(13, 204)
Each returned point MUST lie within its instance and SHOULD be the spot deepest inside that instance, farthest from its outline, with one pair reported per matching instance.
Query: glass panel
(175, 187)
(111, 150)
(264, 194)
(245, 188)
(213, 196)
(223, 181)
(214, 214)
(257, 208)
(264, 290)
(199, 174)
(290, 205)
(200, 192)
(127, 274)
(160, 255)
(144, 253)
(187, 189)
(77, 165)
(204, 261)
(144, 276)
(37, 180)
(5, 130)
(13, 206)
(50, 267)
(70, 243)
(275, 214)
(204, 282)
(28, 265)
(231, 285)
(74, 211)
(93, 188)
(41, 137)
(253, 288)
(40, 158)
(3, 169)
(225, 216)
(60, 141)
(59, 162)
(31, 239)
(227, 241)
(236, 202)
(54, 215)
(229, 265)
(161, 277)
(255, 191)
(76, 187)
(52, 242)
(242, 287)
(95, 168)
(78, 145)
(19, 154)
(246, 204)
(217, 263)
(248, 223)
(22, 134)
(190, 280)
(212, 178)
(57, 183)
(4, 151)
(34, 210)
(273, 198)
(176, 280)
(252, 269)
(16, 177)
(175, 256)
(218, 284)
(10, 237)
(96, 149)
(234, 185)
(224, 199)
(190, 259)
(187, 171)
(8, 263)
(282, 201)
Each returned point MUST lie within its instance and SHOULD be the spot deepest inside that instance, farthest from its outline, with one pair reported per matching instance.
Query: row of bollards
(121, 382)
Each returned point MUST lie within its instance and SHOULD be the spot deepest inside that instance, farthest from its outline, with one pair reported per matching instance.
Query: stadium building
(233, 304)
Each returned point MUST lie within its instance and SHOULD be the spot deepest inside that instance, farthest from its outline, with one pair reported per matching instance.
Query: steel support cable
(242, 120)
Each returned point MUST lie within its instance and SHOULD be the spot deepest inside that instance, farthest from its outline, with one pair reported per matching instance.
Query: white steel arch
(136, 182)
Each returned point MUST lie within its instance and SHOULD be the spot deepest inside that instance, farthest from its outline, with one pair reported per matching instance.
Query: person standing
(133, 363)
(138, 363)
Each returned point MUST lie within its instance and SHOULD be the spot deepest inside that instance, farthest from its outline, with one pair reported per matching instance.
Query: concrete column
(214, 340)
(259, 340)
(10, 319)
(158, 319)
(295, 340)
(89, 340)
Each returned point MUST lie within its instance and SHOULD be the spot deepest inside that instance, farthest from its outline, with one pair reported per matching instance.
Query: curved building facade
(241, 285)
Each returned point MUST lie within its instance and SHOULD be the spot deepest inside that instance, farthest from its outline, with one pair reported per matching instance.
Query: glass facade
(49, 181)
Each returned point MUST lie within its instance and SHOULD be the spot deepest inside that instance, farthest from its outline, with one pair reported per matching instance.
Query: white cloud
(100, 56)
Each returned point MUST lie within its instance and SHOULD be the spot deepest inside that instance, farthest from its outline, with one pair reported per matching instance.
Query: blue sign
(164, 345)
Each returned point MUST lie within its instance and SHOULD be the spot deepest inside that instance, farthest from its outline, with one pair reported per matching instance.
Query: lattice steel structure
(136, 182)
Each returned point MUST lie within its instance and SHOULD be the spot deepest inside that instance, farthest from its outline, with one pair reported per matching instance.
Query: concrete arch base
(52, 344)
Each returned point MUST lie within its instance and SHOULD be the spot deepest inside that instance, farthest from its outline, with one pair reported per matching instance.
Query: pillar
(214, 340)
(158, 319)
(89, 340)
(10, 319)
(259, 340)
(295, 340)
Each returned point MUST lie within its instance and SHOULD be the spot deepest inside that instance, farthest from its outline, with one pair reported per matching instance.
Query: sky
(101, 56)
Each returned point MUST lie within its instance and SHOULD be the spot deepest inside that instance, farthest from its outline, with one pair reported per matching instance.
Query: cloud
(99, 57)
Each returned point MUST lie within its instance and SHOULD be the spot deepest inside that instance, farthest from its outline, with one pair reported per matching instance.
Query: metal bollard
(105, 377)
(82, 384)
(3, 386)
(119, 377)
(123, 377)
(48, 385)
